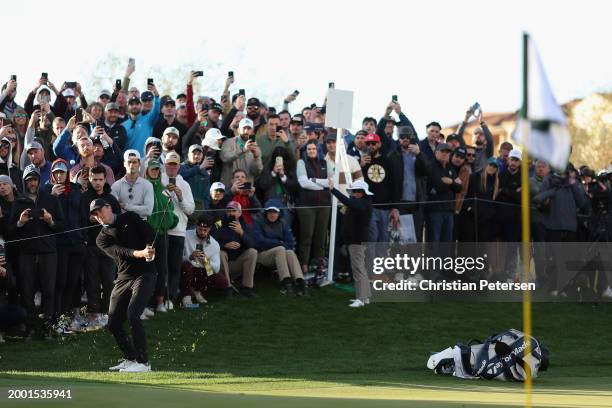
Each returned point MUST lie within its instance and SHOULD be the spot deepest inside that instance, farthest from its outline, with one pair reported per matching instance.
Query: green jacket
(162, 204)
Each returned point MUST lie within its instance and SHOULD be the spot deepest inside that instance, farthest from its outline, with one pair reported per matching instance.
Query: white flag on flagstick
(542, 125)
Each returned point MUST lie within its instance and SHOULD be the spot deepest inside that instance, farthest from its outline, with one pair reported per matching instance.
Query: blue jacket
(138, 131)
(269, 235)
(63, 149)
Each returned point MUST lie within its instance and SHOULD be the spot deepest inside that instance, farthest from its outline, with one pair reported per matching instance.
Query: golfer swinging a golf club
(127, 239)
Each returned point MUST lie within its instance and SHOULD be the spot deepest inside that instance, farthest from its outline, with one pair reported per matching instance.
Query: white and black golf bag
(501, 357)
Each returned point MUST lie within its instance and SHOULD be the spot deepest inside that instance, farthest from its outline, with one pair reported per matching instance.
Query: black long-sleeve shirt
(129, 232)
(357, 218)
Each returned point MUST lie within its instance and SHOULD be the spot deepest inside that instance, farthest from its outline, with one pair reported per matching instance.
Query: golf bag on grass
(500, 357)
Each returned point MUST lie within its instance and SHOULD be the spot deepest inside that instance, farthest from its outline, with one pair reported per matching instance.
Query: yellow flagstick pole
(526, 223)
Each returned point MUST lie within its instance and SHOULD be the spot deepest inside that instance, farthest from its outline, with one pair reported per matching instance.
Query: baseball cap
(111, 106)
(217, 186)
(297, 119)
(272, 208)
(173, 157)
(493, 161)
(309, 127)
(6, 179)
(453, 136)
(361, 133)
(211, 138)
(234, 205)
(105, 92)
(253, 102)
(215, 106)
(68, 92)
(147, 96)
(153, 164)
(59, 166)
(515, 154)
(195, 147)
(243, 123)
(30, 171)
(169, 101)
(460, 151)
(330, 137)
(443, 147)
(171, 130)
(97, 204)
(33, 145)
(131, 152)
(205, 220)
(134, 99)
(372, 137)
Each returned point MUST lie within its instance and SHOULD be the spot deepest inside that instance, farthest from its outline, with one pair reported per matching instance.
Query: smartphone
(279, 128)
(394, 98)
(230, 73)
(79, 115)
(35, 213)
(278, 161)
(2, 252)
(246, 186)
(198, 73)
(200, 247)
(44, 76)
(252, 138)
(149, 81)
(131, 61)
(331, 85)
(117, 83)
(13, 77)
(241, 92)
(295, 93)
(172, 180)
(71, 84)
(475, 107)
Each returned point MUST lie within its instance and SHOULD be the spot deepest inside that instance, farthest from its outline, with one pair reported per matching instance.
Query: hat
(309, 127)
(460, 151)
(453, 136)
(211, 138)
(515, 154)
(30, 171)
(153, 164)
(443, 147)
(173, 157)
(493, 161)
(96, 204)
(360, 185)
(147, 96)
(68, 92)
(234, 205)
(362, 133)
(401, 131)
(151, 140)
(106, 92)
(243, 123)
(134, 99)
(330, 137)
(171, 130)
(253, 102)
(372, 137)
(217, 186)
(272, 208)
(168, 101)
(131, 152)
(59, 166)
(194, 147)
(111, 106)
(6, 179)
(205, 220)
(297, 119)
(215, 106)
(33, 145)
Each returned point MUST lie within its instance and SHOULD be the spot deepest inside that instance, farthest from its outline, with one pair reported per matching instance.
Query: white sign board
(339, 109)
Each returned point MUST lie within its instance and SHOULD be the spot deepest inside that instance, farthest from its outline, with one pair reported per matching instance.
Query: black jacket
(225, 234)
(36, 227)
(129, 232)
(508, 184)
(438, 190)
(86, 198)
(357, 218)
(117, 132)
(382, 180)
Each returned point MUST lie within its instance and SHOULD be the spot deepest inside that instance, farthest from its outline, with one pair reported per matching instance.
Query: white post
(334, 214)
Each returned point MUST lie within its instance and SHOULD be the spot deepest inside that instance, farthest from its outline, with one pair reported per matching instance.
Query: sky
(439, 57)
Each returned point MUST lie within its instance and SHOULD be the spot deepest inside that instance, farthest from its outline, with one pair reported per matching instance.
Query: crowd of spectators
(232, 185)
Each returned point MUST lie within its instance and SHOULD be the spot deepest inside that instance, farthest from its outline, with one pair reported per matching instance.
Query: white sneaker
(367, 301)
(136, 367)
(37, 299)
(103, 319)
(161, 308)
(607, 293)
(357, 303)
(123, 363)
(149, 312)
(186, 302)
(199, 297)
(2, 339)
(143, 316)
(169, 305)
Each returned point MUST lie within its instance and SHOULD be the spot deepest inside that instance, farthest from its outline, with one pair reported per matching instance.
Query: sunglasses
(470, 155)
(252, 107)
(21, 115)
(371, 143)
(131, 196)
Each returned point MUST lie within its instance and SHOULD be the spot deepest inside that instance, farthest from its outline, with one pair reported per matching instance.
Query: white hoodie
(182, 209)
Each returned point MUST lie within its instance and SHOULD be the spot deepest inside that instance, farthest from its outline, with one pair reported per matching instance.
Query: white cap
(245, 122)
(171, 130)
(68, 92)
(211, 138)
(106, 92)
(217, 186)
(360, 185)
(131, 152)
(516, 154)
